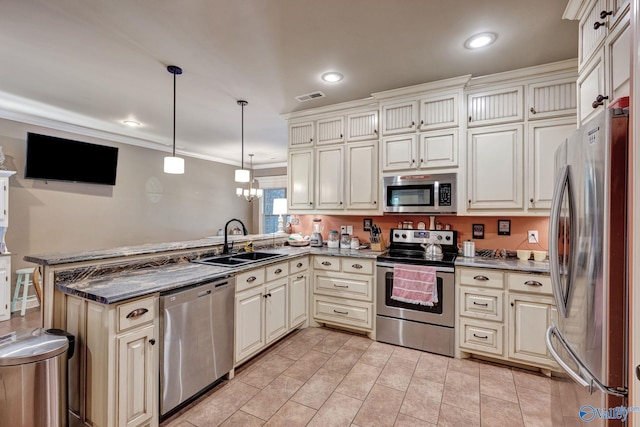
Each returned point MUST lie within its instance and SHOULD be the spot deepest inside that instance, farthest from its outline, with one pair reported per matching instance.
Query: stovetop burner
(406, 247)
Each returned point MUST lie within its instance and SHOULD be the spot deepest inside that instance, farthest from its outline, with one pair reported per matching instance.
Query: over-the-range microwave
(426, 193)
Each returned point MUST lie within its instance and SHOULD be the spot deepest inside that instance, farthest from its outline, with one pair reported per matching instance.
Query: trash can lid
(30, 346)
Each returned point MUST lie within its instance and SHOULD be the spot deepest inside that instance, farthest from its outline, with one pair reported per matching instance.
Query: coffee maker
(316, 236)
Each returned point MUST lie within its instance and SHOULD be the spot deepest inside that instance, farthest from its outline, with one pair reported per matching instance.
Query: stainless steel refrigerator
(588, 263)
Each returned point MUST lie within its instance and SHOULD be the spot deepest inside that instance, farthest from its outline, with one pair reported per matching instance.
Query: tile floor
(324, 377)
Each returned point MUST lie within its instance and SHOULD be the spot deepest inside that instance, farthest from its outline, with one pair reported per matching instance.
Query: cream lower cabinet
(5, 287)
(113, 376)
(343, 292)
(298, 292)
(505, 315)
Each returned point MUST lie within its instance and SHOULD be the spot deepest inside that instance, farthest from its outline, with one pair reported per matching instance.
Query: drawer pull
(266, 295)
(137, 313)
(251, 279)
(340, 312)
(480, 336)
(299, 277)
(483, 278)
(357, 266)
(298, 265)
(326, 263)
(480, 304)
(278, 271)
(340, 286)
(532, 283)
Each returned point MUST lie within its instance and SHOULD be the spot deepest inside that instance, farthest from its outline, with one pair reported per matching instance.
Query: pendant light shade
(242, 175)
(173, 164)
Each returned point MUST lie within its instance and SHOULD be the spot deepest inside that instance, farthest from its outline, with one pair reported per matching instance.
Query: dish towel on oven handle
(414, 284)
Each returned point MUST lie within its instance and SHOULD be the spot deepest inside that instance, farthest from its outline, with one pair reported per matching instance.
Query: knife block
(377, 244)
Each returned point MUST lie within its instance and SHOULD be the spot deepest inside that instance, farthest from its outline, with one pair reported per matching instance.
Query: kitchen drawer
(343, 286)
(298, 264)
(482, 336)
(136, 313)
(277, 271)
(249, 279)
(532, 283)
(357, 265)
(329, 263)
(481, 277)
(481, 303)
(351, 313)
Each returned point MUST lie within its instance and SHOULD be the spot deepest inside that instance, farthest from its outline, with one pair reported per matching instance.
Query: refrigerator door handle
(589, 383)
(554, 228)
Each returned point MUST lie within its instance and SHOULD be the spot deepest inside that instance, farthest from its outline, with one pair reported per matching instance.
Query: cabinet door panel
(590, 38)
(439, 112)
(135, 377)
(5, 287)
(300, 180)
(439, 149)
(298, 299)
(555, 98)
(330, 131)
(495, 178)
(619, 66)
(4, 202)
(362, 176)
(591, 84)
(329, 173)
(301, 135)
(362, 126)
(495, 106)
(249, 324)
(528, 321)
(399, 153)
(399, 118)
(276, 314)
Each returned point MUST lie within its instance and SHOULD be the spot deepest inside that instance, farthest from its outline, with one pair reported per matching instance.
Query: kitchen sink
(237, 259)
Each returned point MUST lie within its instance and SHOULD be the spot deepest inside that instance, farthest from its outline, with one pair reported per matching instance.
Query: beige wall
(145, 206)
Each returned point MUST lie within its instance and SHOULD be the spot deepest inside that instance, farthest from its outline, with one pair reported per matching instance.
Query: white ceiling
(87, 65)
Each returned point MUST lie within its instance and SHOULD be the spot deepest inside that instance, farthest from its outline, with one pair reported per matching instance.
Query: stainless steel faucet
(225, 250)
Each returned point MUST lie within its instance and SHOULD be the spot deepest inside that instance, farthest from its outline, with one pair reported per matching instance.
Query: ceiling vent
(310, 96)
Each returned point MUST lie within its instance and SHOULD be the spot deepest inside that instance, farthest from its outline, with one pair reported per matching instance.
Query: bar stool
(24, 280)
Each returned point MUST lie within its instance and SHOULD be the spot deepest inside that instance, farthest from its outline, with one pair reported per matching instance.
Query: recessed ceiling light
(332, 77)
(131, 123)
(480, 40)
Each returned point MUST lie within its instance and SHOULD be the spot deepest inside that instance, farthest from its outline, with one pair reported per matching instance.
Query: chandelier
(252, 191)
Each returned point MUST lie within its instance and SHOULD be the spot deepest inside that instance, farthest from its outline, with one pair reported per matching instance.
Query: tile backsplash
(462, 224)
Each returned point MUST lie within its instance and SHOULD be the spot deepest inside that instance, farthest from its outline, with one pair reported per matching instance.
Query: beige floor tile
(535, 381)
(377, 354)
(432, 367)
(180, 422)
(314, 332)
(343, 359)
(338, 411)
(422, 400)
(292, 414)
(467, 366)
(499, 413)
(332, 342)
(307, 365)
(407, 421)
(539, 409)
(407, 353)
(397, 373)
(453, 416)
(359, 342)
(215, 409)
(299, 347)
(317, 390)
(462, 390)
(263, 372)
(242, 419)
(359, 381)
(495, 371)
(380, 408)
(267, 402)
(498, 383)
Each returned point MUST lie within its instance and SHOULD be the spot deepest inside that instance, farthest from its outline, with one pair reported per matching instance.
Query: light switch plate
(349, 229)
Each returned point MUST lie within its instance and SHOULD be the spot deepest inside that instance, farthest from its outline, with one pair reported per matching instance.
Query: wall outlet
(349, 229)
(533, 236)
(343, 229)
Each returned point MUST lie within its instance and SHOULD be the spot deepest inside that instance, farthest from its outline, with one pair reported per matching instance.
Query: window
(270, 221)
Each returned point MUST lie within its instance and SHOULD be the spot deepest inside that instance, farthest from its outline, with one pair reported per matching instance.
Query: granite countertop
(504, 264)
(117, 287)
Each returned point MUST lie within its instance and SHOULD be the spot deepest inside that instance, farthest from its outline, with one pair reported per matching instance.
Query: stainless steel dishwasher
(197, 340)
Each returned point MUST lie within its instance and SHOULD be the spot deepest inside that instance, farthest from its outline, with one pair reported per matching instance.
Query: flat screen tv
(60, 159)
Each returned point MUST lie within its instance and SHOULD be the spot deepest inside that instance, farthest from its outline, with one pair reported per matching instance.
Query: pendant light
(242, 175)
(173, 164)
(252, 191)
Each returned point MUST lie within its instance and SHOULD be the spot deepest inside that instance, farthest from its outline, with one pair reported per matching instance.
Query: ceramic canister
(469, 249)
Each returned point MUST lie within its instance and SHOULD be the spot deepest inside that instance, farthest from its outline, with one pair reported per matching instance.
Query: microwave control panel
(444, 195)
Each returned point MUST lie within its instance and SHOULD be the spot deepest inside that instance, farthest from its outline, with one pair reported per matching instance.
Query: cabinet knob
(412, 124)
(421, 161)
(374, 202)
(531, 200)
(604, 14)
(413, 161)
(310, 139)
(533, 110)
(597, 25)
(375, 131)
(299, 265)
(340, 202)
(469, 119)
(599, 101)
(513, 305)
(152, 341)
(341, 136)
(310, 203)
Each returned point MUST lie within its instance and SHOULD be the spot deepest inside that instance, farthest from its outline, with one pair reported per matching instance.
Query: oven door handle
(438, 269)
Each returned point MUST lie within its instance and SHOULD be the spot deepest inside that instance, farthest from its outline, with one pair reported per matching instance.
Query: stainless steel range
(411, 324)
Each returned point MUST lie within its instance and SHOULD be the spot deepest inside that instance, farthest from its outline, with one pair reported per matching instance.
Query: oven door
(442, 313)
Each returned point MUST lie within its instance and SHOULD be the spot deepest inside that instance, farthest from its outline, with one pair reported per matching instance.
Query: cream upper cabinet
(495, 168)
(399, 152)
(362, 175)
(301, 134)
(399, 117)
(544, 137)
(330, 131)
(4, 200)
(551, 98)
(441, 111)
(618, 60)
(500, 105)
(591, 88)
(329, 177)
(362, 126)
(592, 31)
(438, 149)
(300, 180)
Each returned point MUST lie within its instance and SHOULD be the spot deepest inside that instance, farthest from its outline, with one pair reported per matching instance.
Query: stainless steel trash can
(33, 379)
